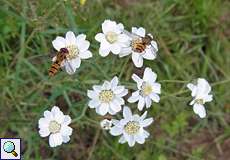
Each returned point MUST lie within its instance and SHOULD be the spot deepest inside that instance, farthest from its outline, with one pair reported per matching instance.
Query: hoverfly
(60, 57)
(139, 44)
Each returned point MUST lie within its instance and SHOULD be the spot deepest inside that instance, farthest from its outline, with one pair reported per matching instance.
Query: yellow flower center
(54, 127)
(146, 89)
(106, 96)
(111, 37)
(199, 101)
(73, 52)
(132, 127)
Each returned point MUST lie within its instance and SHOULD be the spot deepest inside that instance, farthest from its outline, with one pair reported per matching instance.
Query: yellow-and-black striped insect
(138, 43)
(60, 57)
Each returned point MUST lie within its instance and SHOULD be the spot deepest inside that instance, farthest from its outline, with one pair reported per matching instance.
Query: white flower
(136, 37)
(148, 89)
(131, 127)
(112, 39)
(55, 125)
(77, 49)
(108, 97)
(106, 124)
(200, 94)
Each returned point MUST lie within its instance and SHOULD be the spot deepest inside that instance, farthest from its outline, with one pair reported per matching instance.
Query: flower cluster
(120, 42)
(110, 97)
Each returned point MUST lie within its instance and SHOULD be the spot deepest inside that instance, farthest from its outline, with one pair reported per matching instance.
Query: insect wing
(131, 35)
(68, 67)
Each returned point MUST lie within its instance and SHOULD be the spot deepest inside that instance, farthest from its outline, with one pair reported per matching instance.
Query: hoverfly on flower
(70, 51)
(141, 46)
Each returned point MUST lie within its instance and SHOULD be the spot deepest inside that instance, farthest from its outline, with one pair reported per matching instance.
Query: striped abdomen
(56, 64)
(139, 47)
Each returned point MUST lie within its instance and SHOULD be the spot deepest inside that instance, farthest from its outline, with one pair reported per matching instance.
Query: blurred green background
(193, 39)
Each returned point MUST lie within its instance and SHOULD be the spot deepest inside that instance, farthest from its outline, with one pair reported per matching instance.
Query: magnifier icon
(9, 147)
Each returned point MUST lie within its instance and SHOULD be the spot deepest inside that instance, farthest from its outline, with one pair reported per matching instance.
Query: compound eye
(64, 50)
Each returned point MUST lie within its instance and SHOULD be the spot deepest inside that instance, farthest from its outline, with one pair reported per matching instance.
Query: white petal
(104, 52)
(55, 110)
(48, 115)
(67, 120)
(114, 81)
(146, 122)
(156, 88)
(123, 93)
(97, 88)
(203, 85)
(133, 98)
(55, 140)
(106, 124)
(134, 30)
(191, 86)
(122, 140)
(208, 98)
(138, 80)
(140, 138)
(119, 89)
(83, 45)
(146, 134)
(192, 102)
(125, 51)
(44, 131)
(154, 97)
(43, 122)
(80, 37)
(85, 55)
(66, 130)
(57, 114)
(115, 131)
(141, 103)
(154, 45)
(100, 37)
(131, 141)
(148, 102)
(65, 139)
(143, 116)
(108, 26)
(127, 114)
(149, 75)
(106, 85)
(139, 31)
(103, 109)
(149, 54)
(119, 100)
(94, 103)
(115, 122)
(116, 108)
(70, 38)
(200, 110)
(123, 122)
(136, 118)
(137, 59)
(92, 94)
(111, 111)
(59, 43)
(120, 26)
(115, 48)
